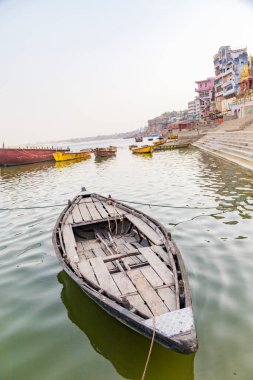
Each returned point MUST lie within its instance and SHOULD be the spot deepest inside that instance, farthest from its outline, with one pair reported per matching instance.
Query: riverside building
(228, 66)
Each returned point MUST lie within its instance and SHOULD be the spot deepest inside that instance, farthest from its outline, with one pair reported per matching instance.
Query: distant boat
(150, 138)
(22, 156)
(160, 142)
(66, 156)
(138, 138)
(143, 149)
(132, 146)
(105, 152)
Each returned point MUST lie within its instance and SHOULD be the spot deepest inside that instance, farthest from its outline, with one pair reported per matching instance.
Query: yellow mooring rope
(150, 350)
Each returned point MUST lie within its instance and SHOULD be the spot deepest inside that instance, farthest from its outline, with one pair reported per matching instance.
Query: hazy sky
(86, 67)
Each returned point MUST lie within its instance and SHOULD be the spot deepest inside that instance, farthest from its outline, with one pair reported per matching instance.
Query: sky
(82, 68)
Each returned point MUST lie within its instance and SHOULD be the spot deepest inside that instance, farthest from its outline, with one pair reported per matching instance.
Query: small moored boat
(132, 146)
(160, 142)
(66, 156)
(129, 265)
(143, 149)
(105, 152)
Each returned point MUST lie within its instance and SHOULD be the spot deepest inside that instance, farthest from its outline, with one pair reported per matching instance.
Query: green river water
(51, 330)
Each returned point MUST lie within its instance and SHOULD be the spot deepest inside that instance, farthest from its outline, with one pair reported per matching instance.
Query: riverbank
(232, 141)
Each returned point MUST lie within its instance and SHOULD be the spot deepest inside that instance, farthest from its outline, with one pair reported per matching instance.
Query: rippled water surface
(51, 330)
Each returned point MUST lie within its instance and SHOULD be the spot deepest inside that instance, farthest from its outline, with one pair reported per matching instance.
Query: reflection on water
(126, 349)
(101, 160)
(12, 171)
(62, 164)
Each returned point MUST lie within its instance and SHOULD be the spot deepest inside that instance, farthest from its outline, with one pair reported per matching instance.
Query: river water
(51, 330)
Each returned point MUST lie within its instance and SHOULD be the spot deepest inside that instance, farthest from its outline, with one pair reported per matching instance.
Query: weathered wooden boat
(132, 146)
(104, 152)
(66, 156)
(143, 149)
(128, 264)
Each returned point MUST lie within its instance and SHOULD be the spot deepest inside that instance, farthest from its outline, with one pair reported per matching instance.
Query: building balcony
(231, 91)
(230, 82)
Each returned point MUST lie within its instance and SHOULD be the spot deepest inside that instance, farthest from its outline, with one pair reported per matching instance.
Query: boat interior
(123, 255)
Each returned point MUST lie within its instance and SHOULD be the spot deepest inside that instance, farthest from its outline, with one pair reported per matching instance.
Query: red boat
(21, 156)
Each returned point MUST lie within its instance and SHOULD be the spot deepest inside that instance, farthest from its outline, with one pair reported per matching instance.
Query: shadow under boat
(124, 348)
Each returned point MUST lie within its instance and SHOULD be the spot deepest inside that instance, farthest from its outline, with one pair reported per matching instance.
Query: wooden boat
(132, 146)
(172, 145)
(128, 264)
(160, 142)
(105, 152)
(143, 149)
(172, 137)
(138, 138)
(66, 156)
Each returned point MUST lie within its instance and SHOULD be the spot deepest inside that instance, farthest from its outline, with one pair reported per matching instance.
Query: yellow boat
(65, 156)
(143, 149)
(172, 137)
(160, 142)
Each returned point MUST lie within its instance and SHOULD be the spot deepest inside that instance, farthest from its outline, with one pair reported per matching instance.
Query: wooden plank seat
(159, 267)
(69, 243)
(145, 229)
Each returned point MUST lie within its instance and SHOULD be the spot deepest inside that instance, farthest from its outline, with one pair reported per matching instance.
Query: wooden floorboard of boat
(146, 291)
(159, 267)
(113, 210)
(92, 209)
(104, 277)
(126, 286)
(84, 211)
(169, 297)
(70, 243)
(160, 251)
(87, 272)
(100, 208)
(145, 229)
(152, 276)
(77, 217)
(99, 252)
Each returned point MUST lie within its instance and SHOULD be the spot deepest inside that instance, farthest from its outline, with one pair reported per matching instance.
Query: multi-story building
(228, 65)
(194, 109)
(205, 90)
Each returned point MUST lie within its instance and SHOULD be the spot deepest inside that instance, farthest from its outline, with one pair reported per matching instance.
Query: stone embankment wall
(233, 140)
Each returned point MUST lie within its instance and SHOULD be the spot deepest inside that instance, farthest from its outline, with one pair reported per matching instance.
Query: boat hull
(104, 152)
(61, 156)
(12, 157)
(146, 149)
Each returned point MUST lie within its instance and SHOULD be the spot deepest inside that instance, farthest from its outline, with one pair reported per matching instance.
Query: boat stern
(175, 330)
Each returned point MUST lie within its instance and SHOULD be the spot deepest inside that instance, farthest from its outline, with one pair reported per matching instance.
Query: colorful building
(228, 66)
(205, 90)
(194, 109)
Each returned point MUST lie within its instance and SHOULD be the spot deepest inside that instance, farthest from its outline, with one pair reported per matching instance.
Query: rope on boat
(150, 349)
(120, 200)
